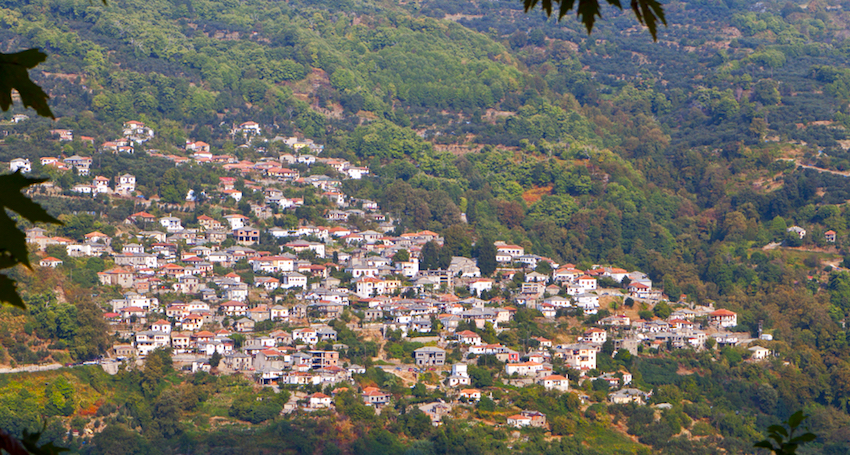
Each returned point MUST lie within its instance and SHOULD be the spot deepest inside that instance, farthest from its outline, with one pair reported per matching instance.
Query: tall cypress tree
(430, 257)
(487, 257)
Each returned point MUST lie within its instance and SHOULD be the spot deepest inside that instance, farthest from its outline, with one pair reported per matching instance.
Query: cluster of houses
(270, 168)
(316, 273)
(81, 164)
(281, 357)
(125, 185)
(830, 235)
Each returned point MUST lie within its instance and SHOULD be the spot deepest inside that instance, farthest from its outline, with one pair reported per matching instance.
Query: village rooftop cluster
(319, 274)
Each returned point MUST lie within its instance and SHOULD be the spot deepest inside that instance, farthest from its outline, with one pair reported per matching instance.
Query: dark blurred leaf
(12, 185)
(9, 293)
(14, 75)
(648, 12)
(13, 242)
(786, 442)
(587, 12)
(777, 429)
(806, 437)
(30, 441)
(11, 444)
(28, 445)
(796, 419)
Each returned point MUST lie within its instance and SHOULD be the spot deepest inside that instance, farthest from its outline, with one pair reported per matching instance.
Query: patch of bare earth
(682, 371)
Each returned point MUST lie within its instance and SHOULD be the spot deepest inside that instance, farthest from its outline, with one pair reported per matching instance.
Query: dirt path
(31, 368)
(819, 169)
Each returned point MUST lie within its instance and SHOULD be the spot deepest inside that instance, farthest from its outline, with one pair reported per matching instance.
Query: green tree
(486, 404)
(173, 188)
(430, 256)
(766, 91)
(401, 255)
(662, 310)
(486, 256)
(158, 365)
(215, 359)
(457, 241)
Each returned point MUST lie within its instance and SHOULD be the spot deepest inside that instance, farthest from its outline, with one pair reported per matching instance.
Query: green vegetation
(481, 124)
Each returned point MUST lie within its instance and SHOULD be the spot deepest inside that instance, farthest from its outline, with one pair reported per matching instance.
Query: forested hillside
(681, 158)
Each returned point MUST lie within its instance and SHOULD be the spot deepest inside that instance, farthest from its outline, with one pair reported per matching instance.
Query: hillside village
(278, 321)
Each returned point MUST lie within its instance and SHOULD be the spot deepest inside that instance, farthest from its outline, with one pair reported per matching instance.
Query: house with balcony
(429, 356)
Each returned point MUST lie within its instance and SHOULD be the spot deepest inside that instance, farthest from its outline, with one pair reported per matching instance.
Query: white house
(237, 221)
(50, 261)
(249, 128)
(506, 253)
(357, 173)
(594, 335)
(149, 340)
(797, 230)
(477, 287)
(723, 318)
(171, 224)
(307, 335)
(100, 184)
(273, 264)
(589, 303)
(293, 280)
(579, 356)
(83, 188)
(161, 326)
(459, 375)
(555, 382)
(22, 164)
(469, 337)
(519, 421)
(470, 394)
(125, 184)
(523, 368)
(588, 283)
(319, 400)
(759, 353)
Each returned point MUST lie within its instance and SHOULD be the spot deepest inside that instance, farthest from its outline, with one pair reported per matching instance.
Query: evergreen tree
(430, 256)
(457, 241)
(173, 188)
(487, 257)
(215, 359)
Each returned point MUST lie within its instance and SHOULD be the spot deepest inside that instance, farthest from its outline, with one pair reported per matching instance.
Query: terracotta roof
(723, 312)
(554, 377)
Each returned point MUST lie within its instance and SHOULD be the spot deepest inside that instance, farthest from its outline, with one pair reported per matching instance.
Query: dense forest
(681, 158)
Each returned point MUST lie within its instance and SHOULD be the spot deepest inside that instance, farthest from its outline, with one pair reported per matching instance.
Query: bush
(486, 404)
(701, 429)
(254, 412)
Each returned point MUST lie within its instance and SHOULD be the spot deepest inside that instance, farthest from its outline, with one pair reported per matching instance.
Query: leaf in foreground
(14, 75)
(648, 12)
(13, 242)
